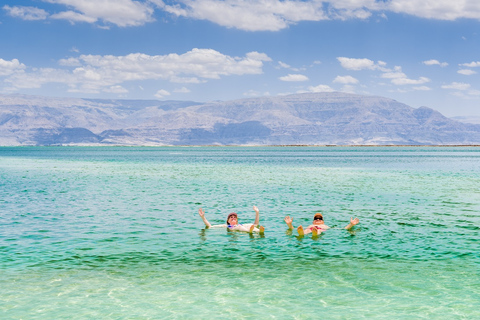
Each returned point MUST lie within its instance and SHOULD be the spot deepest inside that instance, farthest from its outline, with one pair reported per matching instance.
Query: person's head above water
(318, 218)
(232, 218)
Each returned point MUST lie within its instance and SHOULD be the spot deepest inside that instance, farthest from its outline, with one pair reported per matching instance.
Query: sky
(421, 53)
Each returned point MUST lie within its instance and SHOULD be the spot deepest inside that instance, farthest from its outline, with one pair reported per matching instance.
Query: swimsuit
(316, 227)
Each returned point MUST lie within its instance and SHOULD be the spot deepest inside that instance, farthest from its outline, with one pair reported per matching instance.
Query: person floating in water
(232, 222)
(318, 225)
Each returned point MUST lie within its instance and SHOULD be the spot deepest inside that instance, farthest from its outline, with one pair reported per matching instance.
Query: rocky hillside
(310, 118)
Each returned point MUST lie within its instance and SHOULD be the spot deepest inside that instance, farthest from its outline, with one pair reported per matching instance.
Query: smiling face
(232, 219)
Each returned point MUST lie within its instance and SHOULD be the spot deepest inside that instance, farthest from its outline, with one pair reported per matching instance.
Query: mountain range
(332, 118)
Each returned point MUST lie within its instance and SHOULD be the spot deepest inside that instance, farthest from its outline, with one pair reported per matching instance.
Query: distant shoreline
(254, 146)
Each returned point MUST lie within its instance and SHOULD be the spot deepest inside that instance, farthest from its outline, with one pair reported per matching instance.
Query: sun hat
(318, 214)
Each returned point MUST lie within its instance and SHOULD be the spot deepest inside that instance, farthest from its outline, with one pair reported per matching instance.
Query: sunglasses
(317, 218)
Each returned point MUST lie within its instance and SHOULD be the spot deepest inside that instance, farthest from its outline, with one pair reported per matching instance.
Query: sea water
(114, 233)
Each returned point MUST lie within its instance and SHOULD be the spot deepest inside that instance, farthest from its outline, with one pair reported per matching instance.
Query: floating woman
(233, 225)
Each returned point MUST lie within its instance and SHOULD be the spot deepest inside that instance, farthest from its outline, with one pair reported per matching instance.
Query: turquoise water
(113, 233)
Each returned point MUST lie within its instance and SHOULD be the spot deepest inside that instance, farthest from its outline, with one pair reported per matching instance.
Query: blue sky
(422, 53)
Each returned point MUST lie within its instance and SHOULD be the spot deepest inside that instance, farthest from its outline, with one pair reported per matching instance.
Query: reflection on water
(114, 233)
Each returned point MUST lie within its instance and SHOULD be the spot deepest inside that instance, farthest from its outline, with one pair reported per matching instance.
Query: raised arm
(353, 222)
(257, 216)
(288, 221)
(201, 213)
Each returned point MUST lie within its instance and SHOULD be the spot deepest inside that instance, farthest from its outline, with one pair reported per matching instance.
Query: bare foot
(251, 229)
(314, 232)
(300, 231)
(262, 230)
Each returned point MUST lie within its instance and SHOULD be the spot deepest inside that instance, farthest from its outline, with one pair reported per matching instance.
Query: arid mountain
(310, 119)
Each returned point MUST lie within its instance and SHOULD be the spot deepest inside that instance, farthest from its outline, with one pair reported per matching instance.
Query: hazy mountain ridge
(310, 118)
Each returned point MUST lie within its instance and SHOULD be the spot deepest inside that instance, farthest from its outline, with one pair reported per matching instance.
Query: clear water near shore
(113, 233)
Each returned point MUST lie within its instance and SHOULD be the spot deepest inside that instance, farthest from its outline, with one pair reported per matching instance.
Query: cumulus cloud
(26, 13)
(73, 17)
(182, 90)
(320, 88)
(398, 77)
(472, 64)
(466, 72)
(345, 80)
(162, 94)
(405, 80)
(274, 15)
(357, 64)
(283, 65)
(267, 15)
(439, 9)
(294, 77)
(94, 73)
(123, 13)
(115, 89)
(10, 67)
(422, 88)
(435, 62)
(249, 15)
(457, 86)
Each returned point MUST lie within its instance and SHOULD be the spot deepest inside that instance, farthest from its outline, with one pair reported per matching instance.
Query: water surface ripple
(113, 232)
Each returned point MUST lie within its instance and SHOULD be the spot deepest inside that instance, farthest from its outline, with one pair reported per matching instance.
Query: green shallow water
(113, 233)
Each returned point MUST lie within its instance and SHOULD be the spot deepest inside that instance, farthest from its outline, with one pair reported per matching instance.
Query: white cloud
(357, 64)
(467, 94)
(435, 62)
(345, 80)
(294, 77)
(73, 17)
(394, 75)
(250, 15)
(422, 88)
(254, 93)
(437, 9)
(283, 65)
(266, 15)
(474, 92)
(94, 73)
(26, 13)
(274, 15)
(123, 13)
(398, 77)
(472, 64)
(405, 81)
(115, 89)
(466, 72)
(10, 67)
(320, 88)
(162, 94)
(70, 62)
(457, 86)
(182, 90)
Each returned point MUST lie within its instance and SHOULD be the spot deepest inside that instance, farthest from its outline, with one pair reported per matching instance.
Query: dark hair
(231, 214)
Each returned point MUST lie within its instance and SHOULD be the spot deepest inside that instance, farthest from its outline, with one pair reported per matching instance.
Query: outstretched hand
(288, 220)
(256, 209)
(354, 222)
(201, 212)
